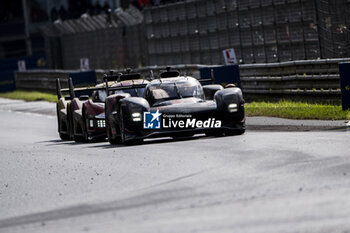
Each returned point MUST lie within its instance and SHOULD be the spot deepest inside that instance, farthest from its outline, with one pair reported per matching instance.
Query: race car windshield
(99, 96)
(135, 92)
(168, 91)
(102, 95)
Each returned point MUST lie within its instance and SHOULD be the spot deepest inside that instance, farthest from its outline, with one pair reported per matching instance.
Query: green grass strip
(297, 110)
(30, 95)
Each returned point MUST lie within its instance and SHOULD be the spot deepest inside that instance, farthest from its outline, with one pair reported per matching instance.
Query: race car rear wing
(72, 90)
(122, 77)
(111, 76)
(174, 73)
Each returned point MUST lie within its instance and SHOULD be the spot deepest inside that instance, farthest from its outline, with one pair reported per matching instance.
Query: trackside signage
(157, 120)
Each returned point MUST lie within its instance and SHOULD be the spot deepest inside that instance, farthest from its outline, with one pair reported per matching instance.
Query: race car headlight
(232, 107)
(91, 123)
(101, 123)
(136, 116)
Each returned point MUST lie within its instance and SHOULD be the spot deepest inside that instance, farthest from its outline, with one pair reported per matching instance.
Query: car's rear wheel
(69, 122)
(112, 140)
(81, 137)
(121, 126)
(109, 135)
(84, 127)
(63, 136)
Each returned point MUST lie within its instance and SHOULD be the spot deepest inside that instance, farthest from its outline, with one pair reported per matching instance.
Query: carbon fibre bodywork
(130, 88)
(207, 103)
(88, 119)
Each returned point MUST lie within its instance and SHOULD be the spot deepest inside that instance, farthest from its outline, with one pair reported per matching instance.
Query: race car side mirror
(230, 85)
(83, 97)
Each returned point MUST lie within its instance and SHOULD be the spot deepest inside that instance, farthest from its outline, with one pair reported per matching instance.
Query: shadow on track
(105, 145)
(154, 141)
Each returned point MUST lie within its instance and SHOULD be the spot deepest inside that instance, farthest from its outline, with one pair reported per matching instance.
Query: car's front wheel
(112, 140)
(122, 132)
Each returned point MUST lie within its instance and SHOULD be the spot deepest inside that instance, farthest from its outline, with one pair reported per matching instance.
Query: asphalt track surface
(262, 181)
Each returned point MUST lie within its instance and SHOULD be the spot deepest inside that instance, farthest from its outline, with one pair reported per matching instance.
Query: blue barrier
(82, 79)
(222, 74)
(9, 66)
(344, 71)
(34, 62)
(7, 81)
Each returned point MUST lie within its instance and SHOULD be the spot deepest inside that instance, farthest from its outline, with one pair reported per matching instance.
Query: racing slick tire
(111, 140)
(84, 137)
(63, 136)
(84, 128)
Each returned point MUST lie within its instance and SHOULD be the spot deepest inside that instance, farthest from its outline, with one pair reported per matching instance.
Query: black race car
(81, 118)
(129, 85)
(175, 105)
(88, 113)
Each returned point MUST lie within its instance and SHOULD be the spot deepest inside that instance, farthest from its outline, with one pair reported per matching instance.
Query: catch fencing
(196, 31)
(260, 31)
(108, 41)
(333, 18)
(297, 78)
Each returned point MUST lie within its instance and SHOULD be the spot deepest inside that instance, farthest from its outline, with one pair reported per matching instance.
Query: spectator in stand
(62, 13)
(156, 2)
(54, 14)
(98, 8)
(143, 3)
(37, 12)
(106, 7)
(135, 3)
(90, 9)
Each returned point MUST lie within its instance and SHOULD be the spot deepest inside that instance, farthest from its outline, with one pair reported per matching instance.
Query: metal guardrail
(41, 80)
(306, 78)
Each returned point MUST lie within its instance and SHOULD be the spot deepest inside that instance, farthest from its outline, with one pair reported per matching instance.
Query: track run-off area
(262, 181)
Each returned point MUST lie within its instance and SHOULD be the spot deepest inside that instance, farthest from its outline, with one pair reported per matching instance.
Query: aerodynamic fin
(58, 88)
(71, 88)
